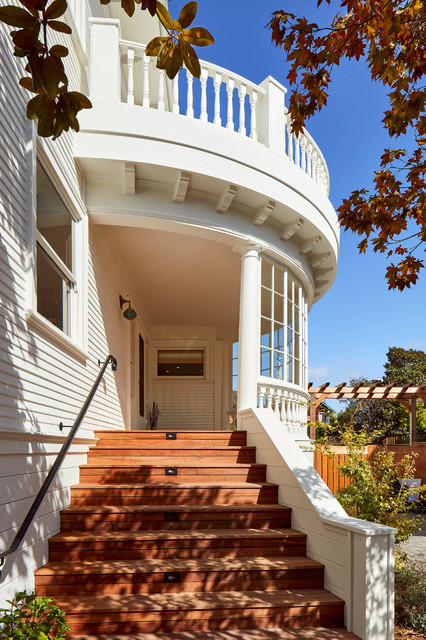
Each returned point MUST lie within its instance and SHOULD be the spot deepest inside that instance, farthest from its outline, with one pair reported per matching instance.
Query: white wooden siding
(184, 404)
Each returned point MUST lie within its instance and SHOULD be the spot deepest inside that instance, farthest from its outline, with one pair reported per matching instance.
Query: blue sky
(354, 324)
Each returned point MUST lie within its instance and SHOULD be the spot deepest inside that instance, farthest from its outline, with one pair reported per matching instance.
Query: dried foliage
(391, 36)
(53, 105)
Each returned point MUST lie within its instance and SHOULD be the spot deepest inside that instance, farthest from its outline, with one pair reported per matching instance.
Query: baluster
(190, 95)
(242, 96)
(277, 400)
(303, 152)
(145, 98)
(253, 103)
(230, 91)
(203, 79)
(283, 411)
(297, 150)
(289, 140)
(261, 396)
(160, 105)
(269, 396)
(308, 159)
(217, 83)
(315, 166)
(130, 76)
(176, 93)
(291, 411)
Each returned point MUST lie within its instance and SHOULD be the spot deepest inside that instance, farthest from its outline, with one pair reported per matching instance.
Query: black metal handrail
(56, 465)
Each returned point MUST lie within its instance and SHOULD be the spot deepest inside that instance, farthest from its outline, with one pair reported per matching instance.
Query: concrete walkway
(415, 546)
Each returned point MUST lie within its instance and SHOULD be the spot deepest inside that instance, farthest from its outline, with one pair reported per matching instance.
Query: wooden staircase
(180, 536)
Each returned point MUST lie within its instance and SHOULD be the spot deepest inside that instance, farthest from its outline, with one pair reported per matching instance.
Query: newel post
(105, 60)
(249, 329)
(271, 115)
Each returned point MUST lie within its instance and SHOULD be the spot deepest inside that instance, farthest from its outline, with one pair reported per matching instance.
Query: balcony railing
(290, 406)
(220, 97)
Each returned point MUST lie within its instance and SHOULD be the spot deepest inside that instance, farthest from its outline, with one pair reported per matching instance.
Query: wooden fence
(328, 465)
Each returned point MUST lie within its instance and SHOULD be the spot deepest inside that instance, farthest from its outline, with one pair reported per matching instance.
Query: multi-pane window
(54, 235)
(282, 325)
(234, 373)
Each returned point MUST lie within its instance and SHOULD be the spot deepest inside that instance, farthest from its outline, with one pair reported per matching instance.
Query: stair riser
(221, 438)
(159, 524)
(244, 455)
(121, 476)
(171, 550)
(205, 620)
(172, 496)
(205, 582)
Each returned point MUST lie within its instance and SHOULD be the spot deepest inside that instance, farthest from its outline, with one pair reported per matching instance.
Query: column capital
(246, 247)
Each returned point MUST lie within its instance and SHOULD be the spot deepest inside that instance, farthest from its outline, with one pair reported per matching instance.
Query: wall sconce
(129, 314)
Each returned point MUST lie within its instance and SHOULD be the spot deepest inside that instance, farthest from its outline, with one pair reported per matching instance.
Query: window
(55, 268)
(283, 333)
(177, 363)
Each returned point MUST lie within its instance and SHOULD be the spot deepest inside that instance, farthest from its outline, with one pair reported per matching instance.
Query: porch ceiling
(181, 279)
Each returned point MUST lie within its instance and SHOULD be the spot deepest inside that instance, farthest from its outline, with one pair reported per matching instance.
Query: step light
(170, 436)
(171, 516)
(172, 576)
(171, 471)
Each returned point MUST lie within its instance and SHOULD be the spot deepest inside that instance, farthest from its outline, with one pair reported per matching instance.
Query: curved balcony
(221, 139)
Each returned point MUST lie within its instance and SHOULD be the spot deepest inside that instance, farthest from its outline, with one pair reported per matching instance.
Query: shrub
(372, 493)
(410, 593)
(32, 618)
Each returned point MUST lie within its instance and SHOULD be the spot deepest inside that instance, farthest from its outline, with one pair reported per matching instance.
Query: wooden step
(236, 438)
(176, 517)
(158, 471)
(316, 633)
(176, 493)
(201, 611)
(173, 449)
(145, 545)
(175, 576)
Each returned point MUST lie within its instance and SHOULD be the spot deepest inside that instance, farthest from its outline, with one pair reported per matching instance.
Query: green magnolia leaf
(164, 16)
(17, 17)
(59, 50)
(32, 108)
(84, 102)
(198, 36)
(188, 14)
(27, 84)
(23, 39)
(56, 9)
(59, 26)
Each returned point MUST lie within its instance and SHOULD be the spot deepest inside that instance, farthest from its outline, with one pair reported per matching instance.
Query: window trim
(77, 342)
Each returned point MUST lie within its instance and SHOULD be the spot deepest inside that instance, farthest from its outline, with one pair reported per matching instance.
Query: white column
(249, 331)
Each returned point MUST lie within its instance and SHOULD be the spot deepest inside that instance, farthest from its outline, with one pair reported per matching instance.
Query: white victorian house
(192, 203)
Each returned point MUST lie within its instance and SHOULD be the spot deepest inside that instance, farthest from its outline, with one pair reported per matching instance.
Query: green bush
(32, 618)
(372, 494)
(410, 593)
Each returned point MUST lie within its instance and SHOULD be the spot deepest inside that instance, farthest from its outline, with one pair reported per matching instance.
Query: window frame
(75, 341)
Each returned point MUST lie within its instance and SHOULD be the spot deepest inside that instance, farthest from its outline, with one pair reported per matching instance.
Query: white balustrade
(230, 101)
(290, 406)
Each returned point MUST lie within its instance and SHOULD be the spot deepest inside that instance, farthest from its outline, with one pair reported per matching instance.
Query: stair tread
(181, 508)
(213, 534)
(142, 432)
(198, 600)
(162, 566)
(317, 633)
(174, 485)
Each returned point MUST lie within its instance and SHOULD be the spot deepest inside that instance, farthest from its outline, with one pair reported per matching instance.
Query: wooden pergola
(406, 394)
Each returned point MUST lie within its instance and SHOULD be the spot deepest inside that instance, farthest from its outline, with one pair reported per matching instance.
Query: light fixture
(129, 314)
